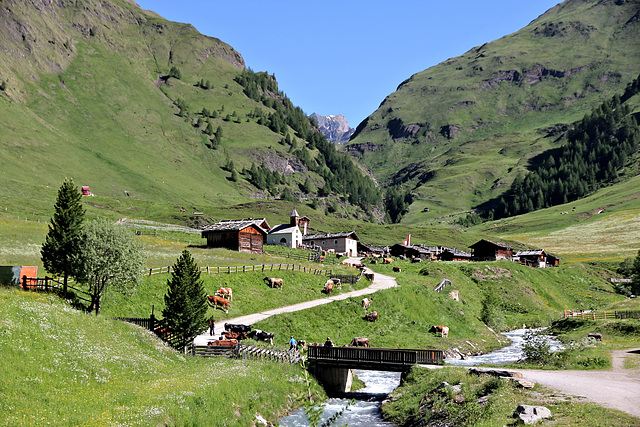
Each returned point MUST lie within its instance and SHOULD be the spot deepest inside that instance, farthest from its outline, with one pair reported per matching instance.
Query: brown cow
(444, 330)
(215, 301)
(387, 260)
(225, 293)
(359, 342)
(328, 287)
(397, 269)
(371, 317)
(235, 335)
(274, 282)
(223, 343)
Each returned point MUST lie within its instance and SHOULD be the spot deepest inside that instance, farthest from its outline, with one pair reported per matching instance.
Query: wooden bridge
(379, 359)
(333, 366)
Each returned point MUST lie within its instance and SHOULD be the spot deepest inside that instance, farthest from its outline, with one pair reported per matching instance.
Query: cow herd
(238, 332)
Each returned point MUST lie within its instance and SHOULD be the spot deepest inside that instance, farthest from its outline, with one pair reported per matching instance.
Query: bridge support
(335, 381)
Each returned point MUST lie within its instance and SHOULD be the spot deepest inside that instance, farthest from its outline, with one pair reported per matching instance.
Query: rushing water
(366, 410)
(509, 354)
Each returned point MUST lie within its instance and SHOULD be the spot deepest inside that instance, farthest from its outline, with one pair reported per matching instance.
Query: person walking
(293, 344)
(212, 326)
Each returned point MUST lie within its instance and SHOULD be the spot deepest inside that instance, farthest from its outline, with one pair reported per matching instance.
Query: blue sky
(344, 57)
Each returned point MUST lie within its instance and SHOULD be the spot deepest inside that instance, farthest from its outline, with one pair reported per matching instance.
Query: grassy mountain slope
(457, 134)
(87, 95)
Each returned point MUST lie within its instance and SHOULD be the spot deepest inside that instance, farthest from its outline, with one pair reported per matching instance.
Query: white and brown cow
(274, 282)
(442, 329)
(225, 293)
(359, 342)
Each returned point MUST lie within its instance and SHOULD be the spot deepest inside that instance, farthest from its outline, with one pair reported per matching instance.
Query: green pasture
(63, 366)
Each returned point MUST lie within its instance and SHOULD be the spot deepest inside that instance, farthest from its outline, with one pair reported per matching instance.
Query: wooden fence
(247, 269)
(48, 284)
(596, 315)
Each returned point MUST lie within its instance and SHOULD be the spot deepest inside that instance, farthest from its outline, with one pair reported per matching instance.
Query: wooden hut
(246, 235)
(453, 254)
(537, 258)
(486, 250)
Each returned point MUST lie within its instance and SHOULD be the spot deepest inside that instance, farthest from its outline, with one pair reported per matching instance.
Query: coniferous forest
(339, 172)
(599, 148)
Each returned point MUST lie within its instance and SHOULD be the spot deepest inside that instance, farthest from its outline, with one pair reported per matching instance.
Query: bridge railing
(355, 356)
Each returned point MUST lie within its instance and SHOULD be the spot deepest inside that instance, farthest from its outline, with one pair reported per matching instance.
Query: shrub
(536, 348)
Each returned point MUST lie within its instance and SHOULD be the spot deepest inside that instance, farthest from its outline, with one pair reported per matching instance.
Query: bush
(536, 348)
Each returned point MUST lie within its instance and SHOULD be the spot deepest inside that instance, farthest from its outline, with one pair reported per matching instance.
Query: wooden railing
(597, 315)
(372, 358)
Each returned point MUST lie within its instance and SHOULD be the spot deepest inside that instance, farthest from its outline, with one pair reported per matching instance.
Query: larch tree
(109, 257)
(185, 301)
(62, 244)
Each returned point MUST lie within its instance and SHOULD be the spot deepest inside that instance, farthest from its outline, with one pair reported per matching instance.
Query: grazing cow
(373, 261)
(235, 335)
(387, 260)
(415, 260)
(397, 269)
(357, 265)
(337, 283)
(371, 317)
(215, 301)
(237, 327)
(359, 342)
(366, 302)
(222, 343)
(444, 330)
(369, 276)
(260, 335)
(328, 287)
(274, 282)
(225, 293)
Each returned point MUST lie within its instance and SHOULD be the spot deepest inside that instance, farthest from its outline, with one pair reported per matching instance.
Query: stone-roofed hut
(340, 243)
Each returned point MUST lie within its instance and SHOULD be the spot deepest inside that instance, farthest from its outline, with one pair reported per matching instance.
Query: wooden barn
(486, 250)
(246, 235)
(414, 251)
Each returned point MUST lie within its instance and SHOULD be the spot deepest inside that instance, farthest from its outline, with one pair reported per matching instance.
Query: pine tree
(185, 301)
(62, 245)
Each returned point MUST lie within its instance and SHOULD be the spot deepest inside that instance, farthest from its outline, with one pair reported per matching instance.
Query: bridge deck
(382, 359)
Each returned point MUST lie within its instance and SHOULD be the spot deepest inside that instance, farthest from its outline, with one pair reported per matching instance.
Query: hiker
(292, 343)
(212, 325)
(328, 342)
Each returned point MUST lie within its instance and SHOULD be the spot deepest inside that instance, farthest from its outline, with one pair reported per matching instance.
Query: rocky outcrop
(529, 414)
(335, 128)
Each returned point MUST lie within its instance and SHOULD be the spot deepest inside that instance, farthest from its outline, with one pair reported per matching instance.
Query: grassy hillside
(457, 134)
(87, 95)
(61, 366)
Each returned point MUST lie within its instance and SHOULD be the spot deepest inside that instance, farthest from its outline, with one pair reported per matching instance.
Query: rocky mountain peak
(335, 128)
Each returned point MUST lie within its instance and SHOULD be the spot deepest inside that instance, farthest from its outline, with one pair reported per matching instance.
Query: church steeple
(294, 217)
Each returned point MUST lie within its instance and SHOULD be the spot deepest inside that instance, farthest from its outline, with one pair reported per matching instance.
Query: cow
(274, 282)
(444, 330)
(369, 276)
(357, 265)
(371, 317)
(337, 283)
(225, 293)
(373, 261)
(416, 260)
(237, 327)
(234, 335)
(595, 335)
(328, 287)
(397, 269)
(260, 335)
(215, 301)
(359, 342)
(366, 302)
(222, 343)
(387, 260)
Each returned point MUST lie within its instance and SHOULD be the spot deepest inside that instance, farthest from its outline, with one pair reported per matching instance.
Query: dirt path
(617, 388)
(380, 281)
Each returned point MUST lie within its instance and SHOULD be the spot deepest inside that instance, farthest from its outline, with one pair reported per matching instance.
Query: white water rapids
(366, 410)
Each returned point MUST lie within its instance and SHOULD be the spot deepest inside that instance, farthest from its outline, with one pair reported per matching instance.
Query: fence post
(207, 269)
